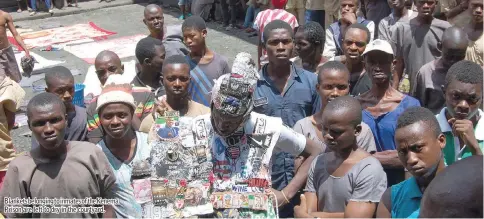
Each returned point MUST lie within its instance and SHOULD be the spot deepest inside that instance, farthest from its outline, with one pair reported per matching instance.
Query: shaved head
(44, 100)
(107, 55)
(455, 192)
(346, 106)
(152, 8)
(107, 63)
(154, 20)
(454, 38)
(454, 46)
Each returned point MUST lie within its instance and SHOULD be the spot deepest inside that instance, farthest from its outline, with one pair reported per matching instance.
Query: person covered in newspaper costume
(210, 155)
(175, 182)
(241, 144)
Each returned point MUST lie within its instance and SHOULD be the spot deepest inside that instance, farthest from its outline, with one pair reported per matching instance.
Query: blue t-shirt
(383, 127)
(127, 207)
(406, 197)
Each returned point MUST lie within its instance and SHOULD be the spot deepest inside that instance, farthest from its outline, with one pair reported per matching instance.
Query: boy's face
(48, 124)
(463, 99)
(116, 119)
(418, 150)
(339, 130)
(279, 46)
(194, 39)
(333, 83)
(64, 88)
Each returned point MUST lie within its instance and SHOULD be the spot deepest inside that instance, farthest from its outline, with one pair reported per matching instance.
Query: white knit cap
(115, 93)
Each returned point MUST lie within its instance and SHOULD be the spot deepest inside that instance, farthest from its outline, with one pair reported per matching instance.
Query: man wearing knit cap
(242, 143)
(121, 144)
(143, 100)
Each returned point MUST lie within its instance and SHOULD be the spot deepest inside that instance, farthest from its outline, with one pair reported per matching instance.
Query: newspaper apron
(181, 172)
(241, 167)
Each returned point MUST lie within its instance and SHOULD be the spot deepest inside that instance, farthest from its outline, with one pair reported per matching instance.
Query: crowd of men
(317, 126)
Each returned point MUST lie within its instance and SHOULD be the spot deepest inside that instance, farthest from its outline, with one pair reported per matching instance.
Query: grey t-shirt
(76, 126)
(428, 89)
(375, 10)
(203, 76)
(418, 44)
(365, 139)
(387, 24)
(364, 182)
(82, 172)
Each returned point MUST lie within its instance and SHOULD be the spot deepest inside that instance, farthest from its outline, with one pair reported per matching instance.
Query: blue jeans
(250, 15)
(34, 5)
(315, 15)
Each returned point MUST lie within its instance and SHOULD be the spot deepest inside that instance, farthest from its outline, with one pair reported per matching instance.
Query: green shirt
(452, 150)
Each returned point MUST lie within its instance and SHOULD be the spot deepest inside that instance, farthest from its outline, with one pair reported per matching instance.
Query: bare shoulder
(5, 17)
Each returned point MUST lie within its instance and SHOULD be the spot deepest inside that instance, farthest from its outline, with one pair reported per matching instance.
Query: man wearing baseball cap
(382, 105)
(242, 143)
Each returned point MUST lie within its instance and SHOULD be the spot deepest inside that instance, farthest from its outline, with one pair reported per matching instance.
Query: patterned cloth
(232, 95)
(180, 175)
(143, 99)
(244, 65)
(266, 16)
(242, 164)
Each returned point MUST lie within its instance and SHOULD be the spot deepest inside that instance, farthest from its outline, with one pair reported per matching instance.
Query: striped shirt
(203, 77)
(266, 16)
